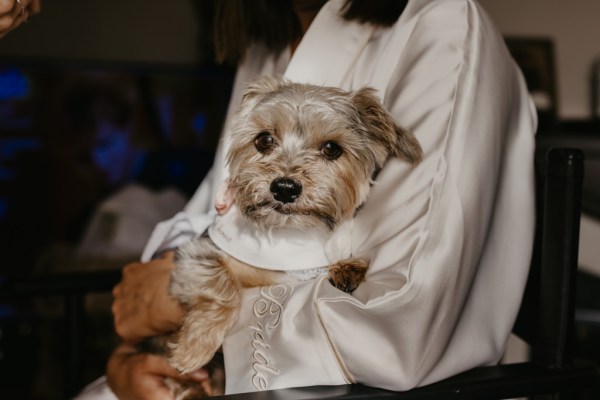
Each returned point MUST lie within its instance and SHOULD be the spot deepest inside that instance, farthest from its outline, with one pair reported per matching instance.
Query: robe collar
(337, 54)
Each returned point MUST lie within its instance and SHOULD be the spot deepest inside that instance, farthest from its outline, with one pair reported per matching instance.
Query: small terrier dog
(301, 156)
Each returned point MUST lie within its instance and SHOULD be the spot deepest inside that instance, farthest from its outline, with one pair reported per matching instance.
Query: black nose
(285, 190)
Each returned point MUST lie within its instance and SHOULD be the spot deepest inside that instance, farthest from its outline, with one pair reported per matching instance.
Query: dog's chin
(274, 215)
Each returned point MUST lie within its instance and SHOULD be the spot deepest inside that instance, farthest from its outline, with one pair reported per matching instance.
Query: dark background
(96, 98)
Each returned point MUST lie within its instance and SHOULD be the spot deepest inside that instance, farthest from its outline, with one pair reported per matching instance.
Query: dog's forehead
(304, 106)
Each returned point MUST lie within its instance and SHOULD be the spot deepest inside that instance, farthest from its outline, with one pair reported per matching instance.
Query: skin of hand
(140, 376)
(12, 14)
(141, 304)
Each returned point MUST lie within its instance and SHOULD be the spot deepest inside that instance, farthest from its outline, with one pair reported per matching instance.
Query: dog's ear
(262, 85)
(255, 92)
(385, 137)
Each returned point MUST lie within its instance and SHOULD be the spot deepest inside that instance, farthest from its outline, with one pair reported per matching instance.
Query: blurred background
(557, 45)
(110, 112)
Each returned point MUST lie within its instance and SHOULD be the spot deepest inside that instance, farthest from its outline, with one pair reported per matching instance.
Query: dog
(301, 157)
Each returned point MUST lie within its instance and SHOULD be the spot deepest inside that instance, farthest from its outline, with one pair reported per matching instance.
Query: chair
(72, 287)
(545, 319)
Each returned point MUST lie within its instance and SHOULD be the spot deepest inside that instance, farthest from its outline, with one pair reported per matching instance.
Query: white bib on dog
(284, 249)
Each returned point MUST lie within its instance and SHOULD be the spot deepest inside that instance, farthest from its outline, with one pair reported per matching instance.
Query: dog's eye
(264, 142)
(331, 150)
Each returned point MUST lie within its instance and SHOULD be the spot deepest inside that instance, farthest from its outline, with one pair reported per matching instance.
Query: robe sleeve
(199, 212)
(449, 242)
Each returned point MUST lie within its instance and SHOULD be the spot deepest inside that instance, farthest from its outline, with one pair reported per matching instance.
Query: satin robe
(449, 242)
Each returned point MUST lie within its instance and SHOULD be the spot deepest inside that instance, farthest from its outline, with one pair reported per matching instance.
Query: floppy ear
(385, 137)
(255, 92)
(262, 85)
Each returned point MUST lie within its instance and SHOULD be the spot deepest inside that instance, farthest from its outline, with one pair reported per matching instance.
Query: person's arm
(449, 242)
(13, 13)
(142, 307)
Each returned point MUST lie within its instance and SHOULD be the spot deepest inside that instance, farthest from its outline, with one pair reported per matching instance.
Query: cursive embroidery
(267, 308)
(262, 363)
(220, 231)
(271, 303)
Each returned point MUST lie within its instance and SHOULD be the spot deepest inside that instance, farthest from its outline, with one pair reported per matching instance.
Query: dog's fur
(302, 156)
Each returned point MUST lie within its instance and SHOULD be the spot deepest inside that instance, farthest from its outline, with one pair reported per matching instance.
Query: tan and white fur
(300, 155)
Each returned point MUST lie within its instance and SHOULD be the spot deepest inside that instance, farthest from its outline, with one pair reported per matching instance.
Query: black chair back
(545, 319)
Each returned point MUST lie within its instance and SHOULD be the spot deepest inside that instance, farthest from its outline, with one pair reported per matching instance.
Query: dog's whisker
(329, 221)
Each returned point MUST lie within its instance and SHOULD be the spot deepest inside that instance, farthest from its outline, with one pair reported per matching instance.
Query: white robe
(449, 242)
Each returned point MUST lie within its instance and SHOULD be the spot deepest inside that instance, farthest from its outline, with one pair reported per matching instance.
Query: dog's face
(304, 155)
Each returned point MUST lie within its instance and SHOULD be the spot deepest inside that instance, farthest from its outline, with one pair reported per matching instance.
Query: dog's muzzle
(285, 190)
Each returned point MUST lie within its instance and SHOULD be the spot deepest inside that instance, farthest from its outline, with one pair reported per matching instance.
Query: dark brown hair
(274, 23)
(378, 12)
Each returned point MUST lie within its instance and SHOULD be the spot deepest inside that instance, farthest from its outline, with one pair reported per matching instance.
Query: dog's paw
(203, 329)
(187, 356)
(347, 274)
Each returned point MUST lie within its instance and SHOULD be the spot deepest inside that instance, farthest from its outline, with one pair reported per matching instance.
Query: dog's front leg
(347, 274)
(211, 294)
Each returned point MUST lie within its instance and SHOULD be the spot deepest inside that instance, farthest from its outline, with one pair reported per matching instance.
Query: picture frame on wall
(536, 58)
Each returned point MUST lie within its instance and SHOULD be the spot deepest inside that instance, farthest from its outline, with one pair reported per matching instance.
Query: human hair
(238, 23)
(273, 23)
(378, 12)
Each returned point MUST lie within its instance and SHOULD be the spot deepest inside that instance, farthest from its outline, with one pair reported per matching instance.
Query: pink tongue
(224, 198)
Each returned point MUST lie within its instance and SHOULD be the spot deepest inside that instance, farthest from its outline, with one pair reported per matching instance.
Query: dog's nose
(285, 190)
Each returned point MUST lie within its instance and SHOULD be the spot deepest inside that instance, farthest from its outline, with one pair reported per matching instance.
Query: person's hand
(136, 376)
(14, 12)
(142, 306)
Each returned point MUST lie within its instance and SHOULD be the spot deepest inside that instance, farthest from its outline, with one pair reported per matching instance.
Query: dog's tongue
(224, 198)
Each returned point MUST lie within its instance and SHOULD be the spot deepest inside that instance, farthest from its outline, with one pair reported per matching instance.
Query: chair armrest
(494, 382)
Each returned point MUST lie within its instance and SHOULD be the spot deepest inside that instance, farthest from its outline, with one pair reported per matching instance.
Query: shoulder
(446, 21)
(443, 12)
(462, 24)
(444, 36)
